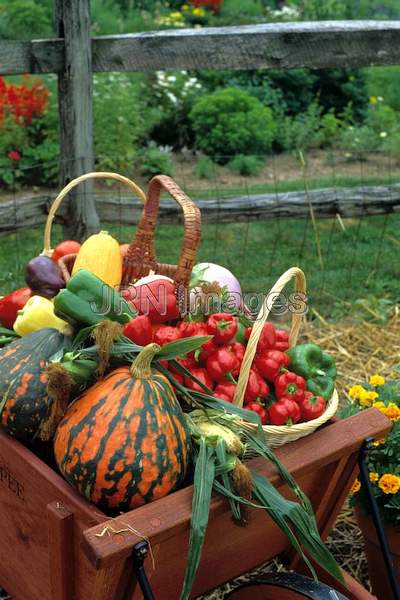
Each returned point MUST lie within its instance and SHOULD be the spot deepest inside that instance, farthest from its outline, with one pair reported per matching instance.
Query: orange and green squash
(124, 442)
(25, 405)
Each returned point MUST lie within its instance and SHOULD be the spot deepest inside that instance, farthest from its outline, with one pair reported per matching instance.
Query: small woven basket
(140, 258)
(282, 434)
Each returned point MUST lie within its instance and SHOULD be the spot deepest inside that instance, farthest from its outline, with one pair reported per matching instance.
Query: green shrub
(359, 139)
(25, 19)
(205, 168)
(230, 122)
(301, 132)
(155, 161)
(172, 97)
(246, 165)
(384, 81)
(120, 120)
(330, 128)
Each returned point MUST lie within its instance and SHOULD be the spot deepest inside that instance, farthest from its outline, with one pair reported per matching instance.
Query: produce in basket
(64, 248)
(11, 304)
(101, 255)
(44, 276)
(125, 442)
(27, 410)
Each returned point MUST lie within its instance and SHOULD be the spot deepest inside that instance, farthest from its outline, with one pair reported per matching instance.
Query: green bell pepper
(87, 299)
(317, 367)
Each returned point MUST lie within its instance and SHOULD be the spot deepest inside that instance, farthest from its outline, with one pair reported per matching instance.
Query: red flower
(14, 155)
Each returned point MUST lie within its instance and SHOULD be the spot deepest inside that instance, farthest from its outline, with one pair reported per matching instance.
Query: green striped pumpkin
(124, 441)
(25, 405)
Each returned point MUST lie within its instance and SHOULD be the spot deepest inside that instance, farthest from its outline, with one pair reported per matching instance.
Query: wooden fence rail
(30, 211)
(279, 45)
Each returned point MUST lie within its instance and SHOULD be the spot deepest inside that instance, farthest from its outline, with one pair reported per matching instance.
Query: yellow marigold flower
(355, 391)
(389, 484)
(373, 477)
(376, 380)
(185, 7)
(199, 12)
(392, 411)
(176, 16)
(373, 99)
(367, 398)
(355, 487)
(380, 406)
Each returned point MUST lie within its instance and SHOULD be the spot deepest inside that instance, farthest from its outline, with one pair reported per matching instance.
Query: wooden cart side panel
(170, 516)
(29, 536)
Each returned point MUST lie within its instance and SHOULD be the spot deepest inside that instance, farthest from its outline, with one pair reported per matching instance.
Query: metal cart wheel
(284, 586)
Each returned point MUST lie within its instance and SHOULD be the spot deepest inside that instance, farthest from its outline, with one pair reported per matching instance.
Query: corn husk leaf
(202, 488)
(287, 515)
(222, 458)
(183, 346)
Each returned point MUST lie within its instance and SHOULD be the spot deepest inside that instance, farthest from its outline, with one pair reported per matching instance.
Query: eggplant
(44, 276)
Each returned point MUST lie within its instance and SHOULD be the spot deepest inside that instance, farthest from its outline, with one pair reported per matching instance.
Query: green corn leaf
(202, 488)
(222, 460)
(261, 448)
(81, 337)
(181, 347)
(285, 511)
(226, 407)
(274, 503)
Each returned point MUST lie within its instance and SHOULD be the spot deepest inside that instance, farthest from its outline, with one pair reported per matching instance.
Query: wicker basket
(140, 258)
(282, 434)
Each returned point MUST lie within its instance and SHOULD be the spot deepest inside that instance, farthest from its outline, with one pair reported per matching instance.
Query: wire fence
(351, 263)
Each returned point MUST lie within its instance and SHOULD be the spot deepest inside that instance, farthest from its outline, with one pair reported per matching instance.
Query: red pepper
(238, 350)
(284, 412)
(291, 385)
(139, 330)
(270, 363)
(226, 391)
(164, 363)
(282, 340)
(267, 337)
(256, 388)
(203, 376)
(189, 329)
(312, 406)
(221, 364)
(11, 304)
(166, 334)
(188, 363)
(222, 326)
(260, 410)
(155, 299)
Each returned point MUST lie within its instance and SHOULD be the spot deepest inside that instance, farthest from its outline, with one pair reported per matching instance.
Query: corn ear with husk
(220, 441)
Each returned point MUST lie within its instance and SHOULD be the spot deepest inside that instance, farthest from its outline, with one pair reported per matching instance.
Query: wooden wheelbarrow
(56, 546)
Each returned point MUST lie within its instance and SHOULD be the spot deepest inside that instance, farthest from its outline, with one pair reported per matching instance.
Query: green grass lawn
(358, 262)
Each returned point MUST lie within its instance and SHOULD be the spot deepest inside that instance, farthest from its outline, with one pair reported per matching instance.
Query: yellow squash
(100, 254)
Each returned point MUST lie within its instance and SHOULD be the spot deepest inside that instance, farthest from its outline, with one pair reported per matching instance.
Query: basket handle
(300, 283)
(47, 251)
(141, 257)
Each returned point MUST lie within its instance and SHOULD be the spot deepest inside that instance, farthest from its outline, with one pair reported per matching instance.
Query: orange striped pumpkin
(124, 442)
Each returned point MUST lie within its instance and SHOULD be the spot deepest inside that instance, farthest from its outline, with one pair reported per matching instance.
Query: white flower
(383, 134)
(380, 99)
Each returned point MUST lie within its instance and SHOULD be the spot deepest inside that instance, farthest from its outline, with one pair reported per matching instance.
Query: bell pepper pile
(285, 386)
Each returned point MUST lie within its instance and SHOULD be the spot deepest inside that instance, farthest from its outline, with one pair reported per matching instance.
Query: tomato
(66, 247)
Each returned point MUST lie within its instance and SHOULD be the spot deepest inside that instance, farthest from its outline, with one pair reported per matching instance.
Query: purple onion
(44, 276)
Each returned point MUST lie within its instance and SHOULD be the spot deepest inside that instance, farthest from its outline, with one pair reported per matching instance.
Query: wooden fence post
(75, 101)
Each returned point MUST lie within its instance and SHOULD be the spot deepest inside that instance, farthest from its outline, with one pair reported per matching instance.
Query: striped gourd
(25, 405)
(124, 442)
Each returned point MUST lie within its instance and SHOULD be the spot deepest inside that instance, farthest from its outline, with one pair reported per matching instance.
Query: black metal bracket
(376, 518)
(139, 554)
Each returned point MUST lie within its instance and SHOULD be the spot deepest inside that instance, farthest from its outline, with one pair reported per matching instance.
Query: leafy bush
(172, 97)
(229, 122)
(301, 132)
(359, 139)
(155, 161)
(384, 81)
(205, 168)
(121, 122)
(25, 19)
(246, 165)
